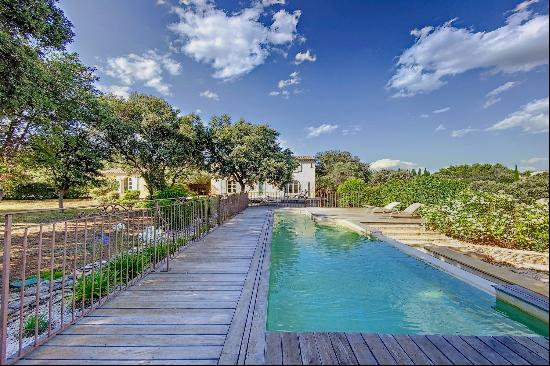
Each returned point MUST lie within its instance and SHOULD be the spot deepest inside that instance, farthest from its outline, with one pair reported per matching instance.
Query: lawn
(52, 213)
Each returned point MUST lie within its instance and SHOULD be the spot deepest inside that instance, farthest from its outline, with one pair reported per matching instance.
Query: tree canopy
(150, 137)
(248, 153)
(479, 172)
(334, 167)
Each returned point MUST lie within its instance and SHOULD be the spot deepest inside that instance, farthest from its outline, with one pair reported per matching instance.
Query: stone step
(412, 233)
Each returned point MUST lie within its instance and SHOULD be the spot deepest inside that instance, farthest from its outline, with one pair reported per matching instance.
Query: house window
(293, 188)
(298, 169)
(231, 186)
(131, 183)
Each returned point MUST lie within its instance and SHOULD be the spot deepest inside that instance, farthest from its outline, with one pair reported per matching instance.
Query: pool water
(327, 278)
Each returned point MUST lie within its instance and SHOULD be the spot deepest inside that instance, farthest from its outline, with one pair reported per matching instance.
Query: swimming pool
(326, 278)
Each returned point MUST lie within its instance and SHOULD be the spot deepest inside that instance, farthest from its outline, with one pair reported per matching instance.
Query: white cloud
(294, 79)
(440, 128)
(118, 90)
(531, 118)
(351, 130)
(535, 161)
(233, 44)
(392, 164)
(524, 5)
(274, 93)
(493, 95)
(424, 115)
(463, 132)
(323, 129)
(442, 110)
(304, 56)
(147, 68)
(438, 53)
(210, 95)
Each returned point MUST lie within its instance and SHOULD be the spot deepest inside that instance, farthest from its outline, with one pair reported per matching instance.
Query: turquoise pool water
(328, 278)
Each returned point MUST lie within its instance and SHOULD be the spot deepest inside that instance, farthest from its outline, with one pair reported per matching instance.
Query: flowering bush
(494, 218)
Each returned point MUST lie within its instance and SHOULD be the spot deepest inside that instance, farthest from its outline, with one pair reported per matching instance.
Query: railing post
(5, 289)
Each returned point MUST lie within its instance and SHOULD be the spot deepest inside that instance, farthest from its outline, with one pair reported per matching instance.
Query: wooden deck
(183, 316)
(211, 308)
(377, 349)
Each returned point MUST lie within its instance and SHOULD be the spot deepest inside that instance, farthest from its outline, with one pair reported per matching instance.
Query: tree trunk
(60, 196)
(243, 186)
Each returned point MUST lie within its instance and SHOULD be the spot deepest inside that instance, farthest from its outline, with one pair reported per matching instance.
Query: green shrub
(47, 275)
(527, 189)
(31, 190)
(493, 218)
(31, 322)
(105, 191)
(130, 195)
(120, 270)
(352, 192)
(422, 189)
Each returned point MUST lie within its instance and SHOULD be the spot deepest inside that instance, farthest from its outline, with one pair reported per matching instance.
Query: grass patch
(31, 323)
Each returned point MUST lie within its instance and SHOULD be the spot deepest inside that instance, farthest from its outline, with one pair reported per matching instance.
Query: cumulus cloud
(118, 90)
(531, 118)
(463, 132)
(392, 164)
(323, 129)
(444, 51)
(210, 95)
(233, 44)
(304, 56)
(493, 96)
(294, 79)
(147, 68)
(442, 110)
(440, 128)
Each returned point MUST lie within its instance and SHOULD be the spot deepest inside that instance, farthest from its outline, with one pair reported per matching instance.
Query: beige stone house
(303, 183)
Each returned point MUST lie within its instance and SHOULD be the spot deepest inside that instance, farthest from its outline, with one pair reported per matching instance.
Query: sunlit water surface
(328, 278)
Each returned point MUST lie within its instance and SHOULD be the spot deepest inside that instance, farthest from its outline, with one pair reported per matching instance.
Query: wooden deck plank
(136, 329)
(533, 346)
(47, 352)
(145, 361)
(273, 349)
(236, 342)
(308, 349)
(143, 340)
(430, 350)
(326, 352)
(255, 351)
(448, 350)
(360, 349)
(541, 341)
(522, 351)
(413, 351)
(291, 349)
(468, 351)
(342, 349)
(182, 316)
(485, 350)
(504, 351)
(380, 352)
(395, 349)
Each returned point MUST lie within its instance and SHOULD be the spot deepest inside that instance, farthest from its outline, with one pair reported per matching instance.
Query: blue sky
(399, 83)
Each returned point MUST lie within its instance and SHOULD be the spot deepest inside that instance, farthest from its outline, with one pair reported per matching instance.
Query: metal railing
(57, 272)
(324, 199)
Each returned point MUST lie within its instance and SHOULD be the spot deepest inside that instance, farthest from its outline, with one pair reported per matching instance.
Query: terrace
(206, 303)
